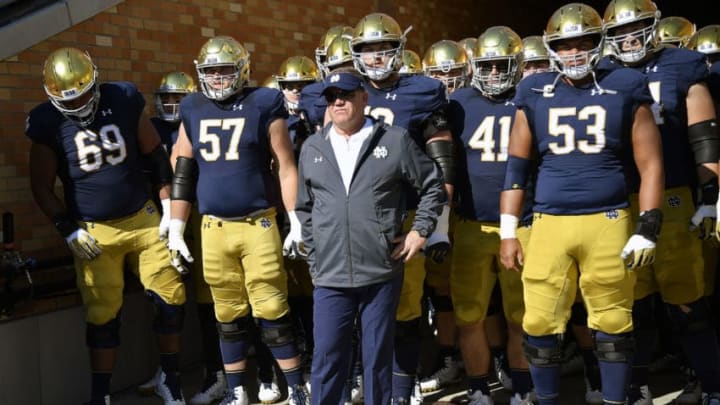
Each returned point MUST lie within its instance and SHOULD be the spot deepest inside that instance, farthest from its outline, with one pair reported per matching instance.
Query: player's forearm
(652, 185)
(180, 209)
(48, 202)
(164, 191)
(511, 202)
(288, 186)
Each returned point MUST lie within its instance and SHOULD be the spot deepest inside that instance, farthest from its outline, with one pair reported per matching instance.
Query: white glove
(293, 247)
(437, 245)
(704, 219)
(165, 219)
(83, 245)
(638, 252)
(177, 246)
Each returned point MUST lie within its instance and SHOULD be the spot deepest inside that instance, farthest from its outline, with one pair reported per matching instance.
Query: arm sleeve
(424, 176)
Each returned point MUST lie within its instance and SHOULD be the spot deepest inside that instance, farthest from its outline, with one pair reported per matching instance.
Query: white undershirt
(347, 150)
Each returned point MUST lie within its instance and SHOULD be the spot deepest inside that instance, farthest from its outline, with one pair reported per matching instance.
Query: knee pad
(578, 314)
(235, 331)
(407, 331)
(441, 303)
(613, 348)
(543, 351)
(105, 336)
(277, 333)
(698, 319)
(168, 318)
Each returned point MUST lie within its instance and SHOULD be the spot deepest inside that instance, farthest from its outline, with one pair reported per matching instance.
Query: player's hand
(293, 247)
(179, 252)
(407, 246)
(165, 219)
(438, 244)
(511, 254)
(638, 252)
(83, 245)
(437, 247)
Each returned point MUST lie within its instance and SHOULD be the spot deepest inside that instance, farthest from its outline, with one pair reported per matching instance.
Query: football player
(417, 104)
(411, 63)
(329, 55)
(447, 62)
(228, 137)
(536, 58)
(93, 136)
(683, 110)
(581, 121)
(173, 87)
(675, 31)
(481, 117)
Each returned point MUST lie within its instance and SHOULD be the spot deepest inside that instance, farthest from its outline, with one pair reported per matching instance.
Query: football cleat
(478, 398)
(213, 389)
(447, 374)
(592, 396)
(298, 395)
(501, 373)
(269, 393)
(165, 391)
(357, 394)
(236, 396)
(518, 399)
(148, 387)
(691, 394)
(640, 395)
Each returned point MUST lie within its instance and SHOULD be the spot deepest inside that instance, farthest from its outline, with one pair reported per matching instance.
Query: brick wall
(139, 41)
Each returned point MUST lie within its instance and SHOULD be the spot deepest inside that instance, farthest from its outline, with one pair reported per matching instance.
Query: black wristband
(709, 192)
(649, 224)
(64, 224)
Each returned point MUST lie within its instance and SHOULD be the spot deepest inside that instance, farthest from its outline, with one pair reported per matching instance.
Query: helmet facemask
(580, 64)
(219, 86)
(640, 42)
(494, 76)
(392, 60)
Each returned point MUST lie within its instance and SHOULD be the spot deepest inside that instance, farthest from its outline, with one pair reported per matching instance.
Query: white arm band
(508, 226)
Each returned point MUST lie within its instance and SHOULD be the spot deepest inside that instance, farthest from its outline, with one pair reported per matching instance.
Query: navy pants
(334, 314)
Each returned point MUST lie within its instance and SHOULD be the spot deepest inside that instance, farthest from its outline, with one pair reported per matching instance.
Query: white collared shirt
(347, 150)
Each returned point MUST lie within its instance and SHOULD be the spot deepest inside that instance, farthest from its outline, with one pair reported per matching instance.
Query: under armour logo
(106, 112)
(237, 107)
(318, 159)
(391, 96)
(380, 152)
(674, 201)
(335, 78)
(612, 214)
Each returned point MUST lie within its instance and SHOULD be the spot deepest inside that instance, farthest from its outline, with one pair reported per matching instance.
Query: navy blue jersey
(481, 127)
(168, 132)
(408, 103)
(580, 135)
(230, 143)
(670, 74)
(313, 103)
(100, 166)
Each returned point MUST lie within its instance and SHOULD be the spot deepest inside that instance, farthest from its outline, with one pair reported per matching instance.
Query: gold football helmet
(373, 29)
(496, 60)
(707, 41)
(167, 107)
(631, 45)
(535, 56)
(295, 73)
(338, 54)
(217, 53)
(468, 44)
(574, 20)
(271, 83)
(412, 65)
(447, 61)
(68, 76)
(675, 31)
(322, 49)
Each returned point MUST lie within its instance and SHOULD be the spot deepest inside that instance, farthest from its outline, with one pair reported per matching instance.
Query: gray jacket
(348, 234)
